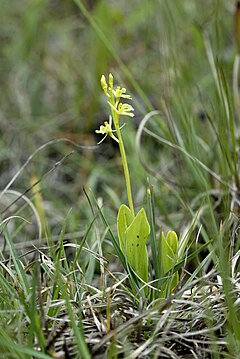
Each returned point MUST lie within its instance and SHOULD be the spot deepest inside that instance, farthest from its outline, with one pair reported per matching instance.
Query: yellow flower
(121, 92)
(123, 109)
(106, 129)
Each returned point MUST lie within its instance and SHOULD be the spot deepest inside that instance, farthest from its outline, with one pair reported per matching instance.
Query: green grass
(66, 288)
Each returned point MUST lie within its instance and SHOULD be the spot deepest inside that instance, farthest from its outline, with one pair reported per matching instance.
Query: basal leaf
(168, 255)
(136, 250)
(125, 218)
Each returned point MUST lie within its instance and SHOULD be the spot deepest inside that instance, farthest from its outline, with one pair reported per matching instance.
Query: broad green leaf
(168, 255)
(125, 218)
(136, 250)
(172, 241)
(168, 250)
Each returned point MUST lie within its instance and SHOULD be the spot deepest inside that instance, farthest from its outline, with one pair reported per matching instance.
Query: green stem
(124, 161)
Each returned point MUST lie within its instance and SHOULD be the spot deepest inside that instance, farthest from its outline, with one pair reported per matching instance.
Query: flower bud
(104, 84)
(110, 80)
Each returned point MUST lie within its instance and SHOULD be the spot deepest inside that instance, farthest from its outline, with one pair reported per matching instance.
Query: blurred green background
(53, 54)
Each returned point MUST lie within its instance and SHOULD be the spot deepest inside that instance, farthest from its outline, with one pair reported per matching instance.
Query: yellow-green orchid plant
(133, 230)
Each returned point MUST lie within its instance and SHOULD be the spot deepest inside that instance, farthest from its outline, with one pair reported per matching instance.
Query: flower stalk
(124, 160)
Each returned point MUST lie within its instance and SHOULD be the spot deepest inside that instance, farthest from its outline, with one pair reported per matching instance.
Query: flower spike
(118, 109)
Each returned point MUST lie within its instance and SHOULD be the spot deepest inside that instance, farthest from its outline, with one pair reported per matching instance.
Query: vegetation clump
(125, 245)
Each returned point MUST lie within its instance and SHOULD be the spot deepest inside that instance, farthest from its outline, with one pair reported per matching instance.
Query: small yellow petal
(126, 96)
(130, 114)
